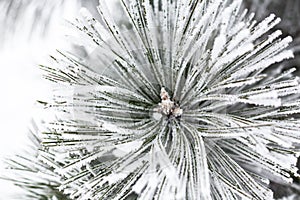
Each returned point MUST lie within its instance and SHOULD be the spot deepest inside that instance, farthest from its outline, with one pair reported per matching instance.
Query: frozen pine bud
(203, 62)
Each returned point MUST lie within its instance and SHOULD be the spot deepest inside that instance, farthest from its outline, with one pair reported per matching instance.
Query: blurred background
(30, 30)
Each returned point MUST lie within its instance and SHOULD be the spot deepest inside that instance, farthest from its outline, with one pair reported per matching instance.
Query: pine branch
(177, 104)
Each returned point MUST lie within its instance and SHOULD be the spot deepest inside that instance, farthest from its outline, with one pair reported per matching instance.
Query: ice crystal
(229, 123)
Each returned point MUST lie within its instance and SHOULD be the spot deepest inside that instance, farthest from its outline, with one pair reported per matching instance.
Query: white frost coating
(113, 178)
(231, 56)
(238, 38)
(220, 41)
(238, 83)
(124, 149)
(263, 63)
(99, 28)
(264, 26)
(168, 117)
(265, 96)
(141, 183)
(218, 45)
(114, 128)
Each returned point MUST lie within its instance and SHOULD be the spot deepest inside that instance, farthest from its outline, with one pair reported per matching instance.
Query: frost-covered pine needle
(37, 179)
(177, 102)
